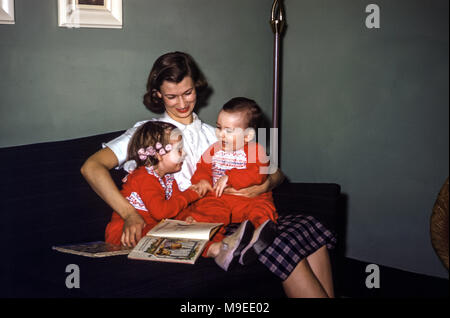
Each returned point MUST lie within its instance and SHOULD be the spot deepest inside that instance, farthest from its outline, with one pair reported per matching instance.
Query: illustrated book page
(174, 241)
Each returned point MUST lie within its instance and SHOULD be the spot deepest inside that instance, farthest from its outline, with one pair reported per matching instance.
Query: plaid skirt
(299, 236)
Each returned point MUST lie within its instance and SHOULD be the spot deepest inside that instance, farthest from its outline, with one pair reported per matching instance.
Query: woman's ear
(158, 93)
(249, 134)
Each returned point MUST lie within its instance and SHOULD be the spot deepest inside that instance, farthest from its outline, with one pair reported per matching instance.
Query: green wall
(369, 110)
(58, 83)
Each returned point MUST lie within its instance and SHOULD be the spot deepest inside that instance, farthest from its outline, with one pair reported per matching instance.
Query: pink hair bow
(150, 151)
(161, 150)
(145, 153)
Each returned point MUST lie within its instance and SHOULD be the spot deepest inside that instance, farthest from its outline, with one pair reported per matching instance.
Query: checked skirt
(299, 236)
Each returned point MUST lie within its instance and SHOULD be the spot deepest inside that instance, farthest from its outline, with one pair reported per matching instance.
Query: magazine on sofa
(174, 241)
(93, 249)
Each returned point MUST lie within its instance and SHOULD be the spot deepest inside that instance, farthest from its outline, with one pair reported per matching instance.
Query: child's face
(172, 161)
(232, 130)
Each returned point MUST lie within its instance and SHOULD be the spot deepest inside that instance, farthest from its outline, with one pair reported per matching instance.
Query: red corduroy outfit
(153, 197)
(243, 168)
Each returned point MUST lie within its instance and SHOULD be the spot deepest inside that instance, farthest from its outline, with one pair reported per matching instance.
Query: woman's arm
(273, 180)
(96, 172)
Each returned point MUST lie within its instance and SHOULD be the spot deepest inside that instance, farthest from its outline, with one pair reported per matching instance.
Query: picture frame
(7, 12)
(90, 14)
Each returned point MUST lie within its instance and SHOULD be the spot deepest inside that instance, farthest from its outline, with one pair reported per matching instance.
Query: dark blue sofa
(46, 202)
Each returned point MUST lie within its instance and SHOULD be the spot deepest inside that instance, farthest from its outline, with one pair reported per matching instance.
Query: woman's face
(179, 99)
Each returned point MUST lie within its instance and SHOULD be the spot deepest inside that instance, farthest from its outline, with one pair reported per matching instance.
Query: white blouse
(197, 137)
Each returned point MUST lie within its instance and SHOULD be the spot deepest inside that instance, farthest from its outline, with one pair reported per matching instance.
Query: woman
(174, 86)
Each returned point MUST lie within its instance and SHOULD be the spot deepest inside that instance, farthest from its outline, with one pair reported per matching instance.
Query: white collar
(196, 122)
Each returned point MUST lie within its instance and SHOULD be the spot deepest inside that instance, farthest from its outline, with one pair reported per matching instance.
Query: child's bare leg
(320, 264)
(214, 246)
(214, 249)
(302, 283)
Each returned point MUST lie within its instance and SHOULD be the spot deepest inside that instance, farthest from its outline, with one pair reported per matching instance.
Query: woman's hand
(220, 185)
(249, 192)
(132, 230)
(272, 181)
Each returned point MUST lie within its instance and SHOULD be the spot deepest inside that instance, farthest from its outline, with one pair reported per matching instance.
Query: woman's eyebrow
(172, 95)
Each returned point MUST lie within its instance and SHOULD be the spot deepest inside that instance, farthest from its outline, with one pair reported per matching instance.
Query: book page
(161, 249)
(181, 229)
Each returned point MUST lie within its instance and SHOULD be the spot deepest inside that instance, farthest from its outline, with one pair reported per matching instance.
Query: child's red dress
(153, 197)
(244, 168)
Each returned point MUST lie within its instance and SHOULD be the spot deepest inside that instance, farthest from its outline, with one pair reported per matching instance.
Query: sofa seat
(47, 202)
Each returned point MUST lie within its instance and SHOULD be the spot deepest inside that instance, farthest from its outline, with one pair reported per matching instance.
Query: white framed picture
(7, 12)
(90, 13)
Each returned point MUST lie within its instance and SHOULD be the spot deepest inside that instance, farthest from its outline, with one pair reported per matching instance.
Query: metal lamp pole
(277, 21)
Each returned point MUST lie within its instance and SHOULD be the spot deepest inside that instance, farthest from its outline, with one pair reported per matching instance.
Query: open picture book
(174, 241)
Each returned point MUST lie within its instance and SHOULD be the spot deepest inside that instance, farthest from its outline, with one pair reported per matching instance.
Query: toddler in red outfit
(156, 148)
(238, 162)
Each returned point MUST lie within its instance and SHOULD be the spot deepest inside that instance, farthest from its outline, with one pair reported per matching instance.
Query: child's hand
(202, 187)
(190, 219)
(220, 185)
(195, 188)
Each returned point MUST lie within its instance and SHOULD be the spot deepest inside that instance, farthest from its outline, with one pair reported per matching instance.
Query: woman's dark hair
(148, 135)
(248, 106)
(172, 67)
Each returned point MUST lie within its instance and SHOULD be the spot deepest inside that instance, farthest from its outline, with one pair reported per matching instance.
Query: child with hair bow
(156, 153)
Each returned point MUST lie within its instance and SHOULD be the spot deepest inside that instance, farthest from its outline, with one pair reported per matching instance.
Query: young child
(151, 188)
(234, 161)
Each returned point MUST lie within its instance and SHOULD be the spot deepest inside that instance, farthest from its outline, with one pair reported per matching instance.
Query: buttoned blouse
(197, 137)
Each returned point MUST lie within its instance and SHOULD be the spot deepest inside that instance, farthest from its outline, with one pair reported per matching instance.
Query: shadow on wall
(203, 99)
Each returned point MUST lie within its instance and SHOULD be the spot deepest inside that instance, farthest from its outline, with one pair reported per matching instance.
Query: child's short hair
(249, 107)
(149, 134)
